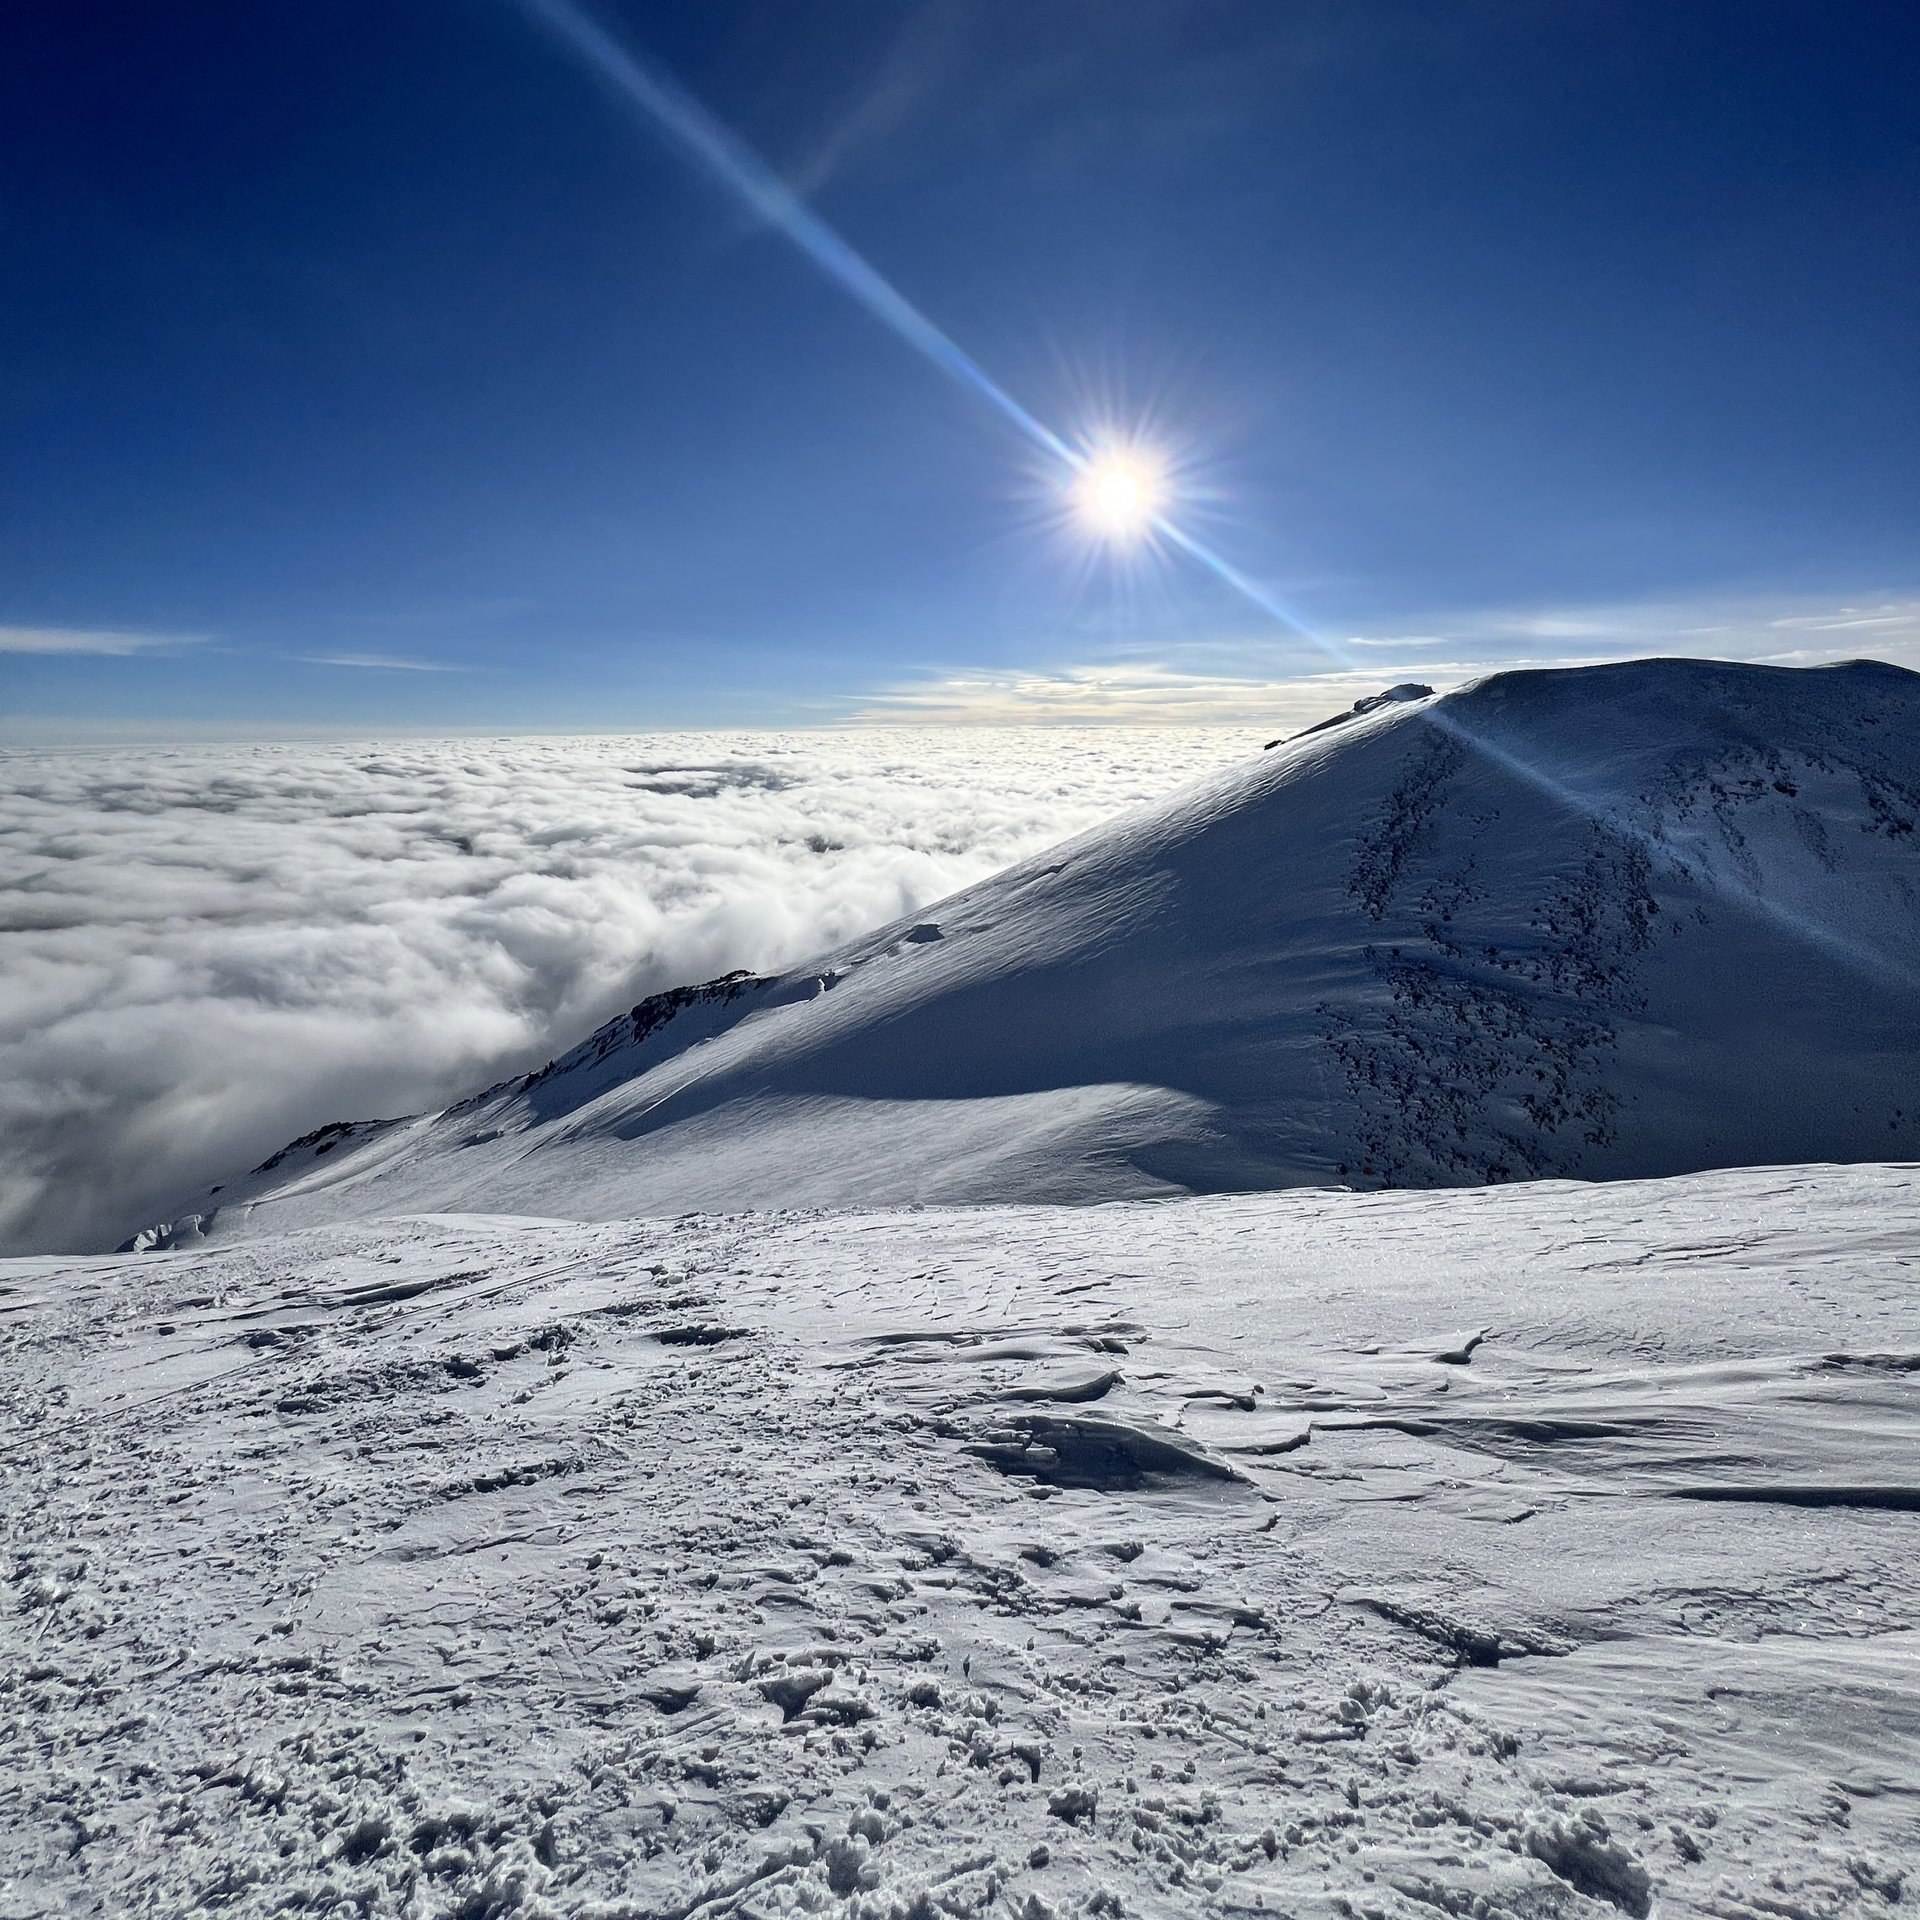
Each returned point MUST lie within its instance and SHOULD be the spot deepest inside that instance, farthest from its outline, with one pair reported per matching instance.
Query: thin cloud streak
(1251, 683)
(1136, 695)
(93, 640)
(378, 662)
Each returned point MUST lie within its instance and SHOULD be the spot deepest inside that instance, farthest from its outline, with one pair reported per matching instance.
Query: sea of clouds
(205, 951)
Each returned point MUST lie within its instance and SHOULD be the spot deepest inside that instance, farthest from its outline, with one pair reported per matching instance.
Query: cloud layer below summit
(207, 951)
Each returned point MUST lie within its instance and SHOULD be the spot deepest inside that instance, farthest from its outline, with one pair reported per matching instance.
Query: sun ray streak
(1857, 954)
(729, 161)
(733, 164)
(1248, 588)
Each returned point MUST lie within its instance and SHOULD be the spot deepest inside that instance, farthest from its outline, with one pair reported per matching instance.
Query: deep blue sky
(363, 330)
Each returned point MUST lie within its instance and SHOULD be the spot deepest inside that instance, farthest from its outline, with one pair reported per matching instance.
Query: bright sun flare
(1118, 494)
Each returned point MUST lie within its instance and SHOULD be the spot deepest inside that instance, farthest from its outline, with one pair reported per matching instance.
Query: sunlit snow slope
(1612, 921)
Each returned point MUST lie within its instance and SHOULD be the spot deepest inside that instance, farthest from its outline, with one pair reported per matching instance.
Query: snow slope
(1605, 922)
(1534, 1553)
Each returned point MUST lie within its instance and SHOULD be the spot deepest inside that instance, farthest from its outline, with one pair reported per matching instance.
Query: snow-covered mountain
(1604, 922)
(1537, 1554)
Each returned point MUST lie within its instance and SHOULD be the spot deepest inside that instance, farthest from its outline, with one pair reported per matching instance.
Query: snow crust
(1543, 1550)
(1606, 922)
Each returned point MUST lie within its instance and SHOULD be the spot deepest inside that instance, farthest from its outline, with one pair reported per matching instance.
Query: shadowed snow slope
(1611, 921)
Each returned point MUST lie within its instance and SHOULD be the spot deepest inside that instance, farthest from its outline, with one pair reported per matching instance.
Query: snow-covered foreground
(1536, 1550)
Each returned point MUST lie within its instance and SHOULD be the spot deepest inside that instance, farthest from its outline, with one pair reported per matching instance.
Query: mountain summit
(1600, 922)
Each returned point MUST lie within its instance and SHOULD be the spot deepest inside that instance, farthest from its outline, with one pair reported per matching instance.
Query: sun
(1119, 493)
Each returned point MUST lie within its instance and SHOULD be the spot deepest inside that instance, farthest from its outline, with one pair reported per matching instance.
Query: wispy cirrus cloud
(1146, 694)
(1765, 629)
(379, 662)
(97, 640)
(1262, 684)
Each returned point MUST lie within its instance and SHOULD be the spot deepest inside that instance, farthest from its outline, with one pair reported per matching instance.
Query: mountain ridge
(1589, 922)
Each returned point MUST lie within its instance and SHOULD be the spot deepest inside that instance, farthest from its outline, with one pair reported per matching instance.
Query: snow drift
(1602, 922)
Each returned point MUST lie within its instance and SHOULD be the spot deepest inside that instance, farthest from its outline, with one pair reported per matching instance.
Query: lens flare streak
(735, 166)
(732, 164)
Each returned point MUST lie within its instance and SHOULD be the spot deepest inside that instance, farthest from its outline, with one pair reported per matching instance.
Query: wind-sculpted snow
(1607, 922)
(1539, 1553)
(207, 952)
